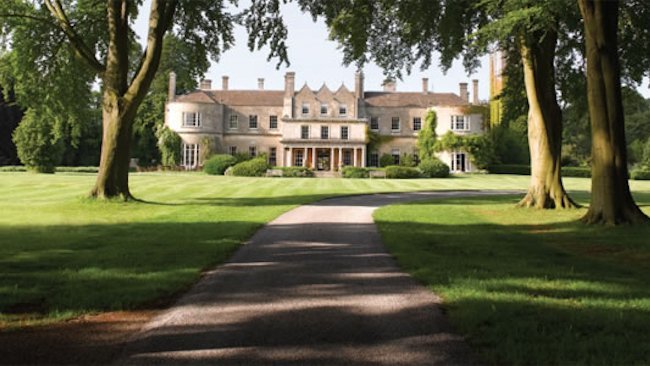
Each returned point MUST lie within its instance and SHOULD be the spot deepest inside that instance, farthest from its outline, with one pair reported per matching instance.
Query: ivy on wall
(480, 147)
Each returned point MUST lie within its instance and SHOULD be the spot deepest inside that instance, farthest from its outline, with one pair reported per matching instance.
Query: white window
(252, 151)
(305, 108)
(345, 133)
(252, 122)
(191, 119)
(460, 123)
(190, 156)
(458, 162)
(233, 124)
(232, 150)
(273, 122)
(343, 110)
(304, 132)
(324, 132)
(395, 154)
(417, 123)
(374, 123)
(323, 109)
(394, 124)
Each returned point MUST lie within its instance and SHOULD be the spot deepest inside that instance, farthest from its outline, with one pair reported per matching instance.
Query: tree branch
(160, 18)
(78, 44)
(26, 16)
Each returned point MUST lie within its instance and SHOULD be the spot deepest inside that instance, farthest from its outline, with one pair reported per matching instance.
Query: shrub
(13, 168)
(217, 164)
(407, 160)
(355, 172)
(241, 157)
(251, 168)
(433, 168)
(386, 160)
(574, 171)
(169, 144)
(37, 143)
(401, 172)
(77, 169)
(297, 172)
(640, 173)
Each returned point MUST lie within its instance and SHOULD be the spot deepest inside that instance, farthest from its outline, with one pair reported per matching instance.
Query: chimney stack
(260, 83)
(205, 84)
(224, 82)
(358, 84)
(171, 93)
(289, 84)
(475, 91)
(390, 85)
(464, 95)
(425, 85)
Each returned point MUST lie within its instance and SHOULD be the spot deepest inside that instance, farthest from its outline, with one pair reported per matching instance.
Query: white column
(354, 156)
(332, 159)
(363, 157)
(340, 157)
(313, 158)
(289, 157)
(304, 157)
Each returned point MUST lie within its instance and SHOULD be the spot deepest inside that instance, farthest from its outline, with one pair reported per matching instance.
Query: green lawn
(530, 287)
(62, 255)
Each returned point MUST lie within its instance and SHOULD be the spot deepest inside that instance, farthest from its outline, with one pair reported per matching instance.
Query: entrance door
(323, 159)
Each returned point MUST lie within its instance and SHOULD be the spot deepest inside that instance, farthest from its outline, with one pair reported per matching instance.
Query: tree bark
(544, 124)
(611, 199)
(121, 99)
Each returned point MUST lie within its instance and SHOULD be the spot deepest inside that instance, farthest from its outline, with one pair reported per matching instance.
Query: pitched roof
(412, 99)
(235, 97)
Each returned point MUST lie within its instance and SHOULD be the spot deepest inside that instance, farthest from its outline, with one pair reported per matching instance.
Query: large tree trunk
(121, 100)
(544, 124)
(611, 200)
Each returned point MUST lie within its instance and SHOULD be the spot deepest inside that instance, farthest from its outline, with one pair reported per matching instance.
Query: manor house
(322, 129)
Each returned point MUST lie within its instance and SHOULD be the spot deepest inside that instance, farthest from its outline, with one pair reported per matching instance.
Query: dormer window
(323, 109)
(305, 108)
(191, 119)
(343, 110)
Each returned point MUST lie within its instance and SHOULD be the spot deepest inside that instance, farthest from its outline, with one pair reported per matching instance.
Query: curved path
(313, 287)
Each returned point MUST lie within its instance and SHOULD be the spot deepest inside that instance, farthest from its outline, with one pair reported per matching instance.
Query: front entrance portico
(326, 158)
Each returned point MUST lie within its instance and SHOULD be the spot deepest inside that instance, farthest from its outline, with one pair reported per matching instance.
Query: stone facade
(322, 129)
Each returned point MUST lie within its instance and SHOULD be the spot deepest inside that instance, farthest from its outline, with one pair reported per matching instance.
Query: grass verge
(526, 286)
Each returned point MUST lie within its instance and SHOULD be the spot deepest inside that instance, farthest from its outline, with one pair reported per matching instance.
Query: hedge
(433, 168)
(251, 168)
(217, 164)
(567, 171)
(640, 173)
(355, 172)
(401, 172)
(297, 172)
(60, 169)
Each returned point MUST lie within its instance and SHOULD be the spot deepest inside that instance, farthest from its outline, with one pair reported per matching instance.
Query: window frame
(344, 108)
(252, 151)
(374, 120)
(196, 119)
(233, 118)
(190, 153)
(273, 156)
(326, 107)
(303, 129)
(273, 122)
(252, 119)
(417, 121)
(345, 136)
(395, 153)
(465, 122)
(305, 109)
(392, 124)
(326, 130)
(232, 150)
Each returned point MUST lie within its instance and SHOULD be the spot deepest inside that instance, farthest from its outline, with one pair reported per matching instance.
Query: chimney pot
(390, 86)
(289, 84)
(224, 82)
(425, 85)
(205, 84)
(358, 84)
(475, 91)
(260, 83)
(463, 92)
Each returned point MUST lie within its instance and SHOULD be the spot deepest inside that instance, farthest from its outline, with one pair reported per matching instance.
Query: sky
(316, 60)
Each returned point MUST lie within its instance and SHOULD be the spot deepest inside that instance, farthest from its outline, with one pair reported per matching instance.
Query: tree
(611, 199)
(427, 136)
(100, 37)
(10, 116)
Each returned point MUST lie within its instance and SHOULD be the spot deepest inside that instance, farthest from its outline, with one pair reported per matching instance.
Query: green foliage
(374, 139)
(297, 172)
(255, 167)
(407, 160)
(510, 145)
(427, 136)
(355, 172)
(241, 157)
(217, 164)
(520, 169)
(386, 160)
(402, 172)
(480, 147)
(640, 173)
(169, 144)
(39, 146)
(645, 161)
(576, 171)
(433, 168)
